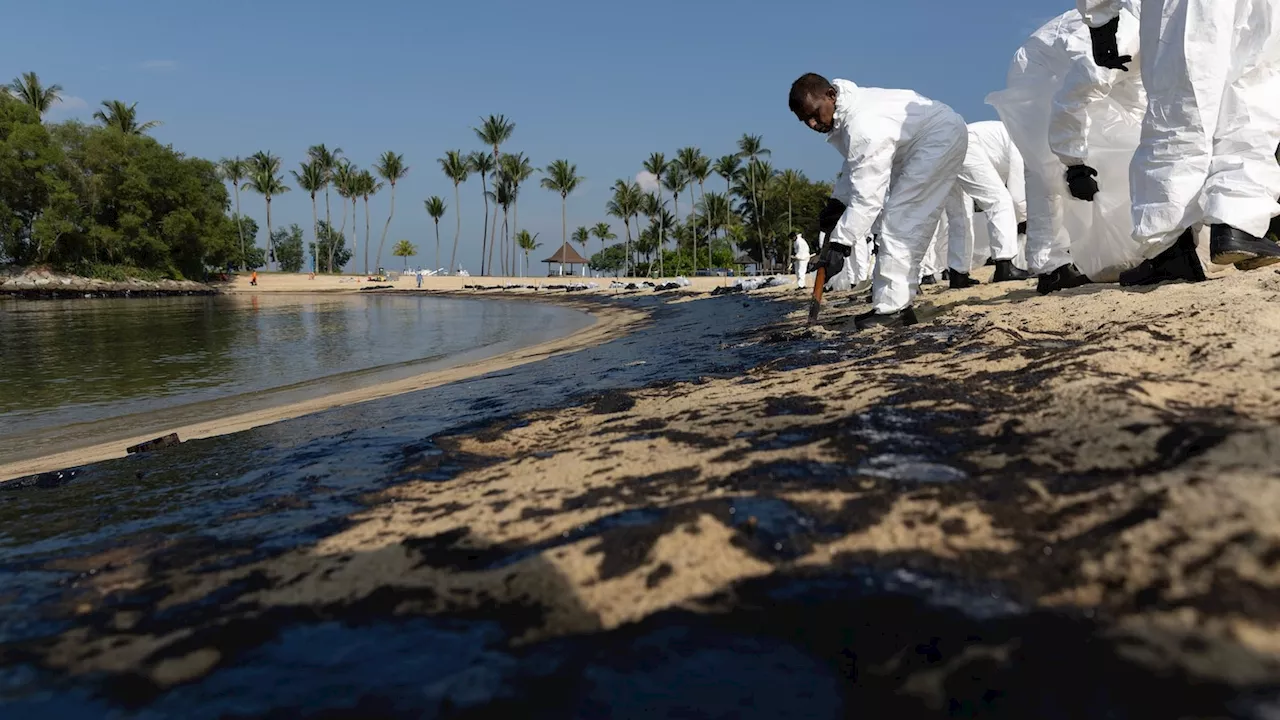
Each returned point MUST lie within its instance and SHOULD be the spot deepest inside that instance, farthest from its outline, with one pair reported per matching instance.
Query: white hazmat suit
(1207, 153)
(801, 257)
(992, 166)
(1061, 109)
(902, 154)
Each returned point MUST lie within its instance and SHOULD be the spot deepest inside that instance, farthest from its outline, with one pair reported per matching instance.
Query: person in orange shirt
(253, 279)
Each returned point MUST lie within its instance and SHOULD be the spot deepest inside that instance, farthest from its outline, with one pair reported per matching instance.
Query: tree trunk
(437, 267)
(564, 227)
(626, 255)
(240, 227)
(269, 244)
(385, 228)
(328, 221)
(315, 231)
(493, 237)
(457, 210)
(366, 238)
(693, 200)
(355, 231)
(484, 237)
(508, 271)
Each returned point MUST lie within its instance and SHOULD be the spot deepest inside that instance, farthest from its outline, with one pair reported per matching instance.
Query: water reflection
(74, 361)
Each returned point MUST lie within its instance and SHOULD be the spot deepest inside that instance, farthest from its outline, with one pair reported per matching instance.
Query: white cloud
(648, 181)
(160, 65)
(69, 105)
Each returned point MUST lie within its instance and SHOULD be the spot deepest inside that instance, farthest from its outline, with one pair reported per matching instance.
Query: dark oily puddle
(842, 643)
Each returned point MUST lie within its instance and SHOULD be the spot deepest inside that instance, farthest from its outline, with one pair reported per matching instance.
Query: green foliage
(223, 251)
(115, 114)
(287, 242)
(404, 249)
(332, 252)
(29, 90)
(611, 259)
(73, 195)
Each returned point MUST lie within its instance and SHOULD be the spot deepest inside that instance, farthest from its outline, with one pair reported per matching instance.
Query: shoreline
(609, 321)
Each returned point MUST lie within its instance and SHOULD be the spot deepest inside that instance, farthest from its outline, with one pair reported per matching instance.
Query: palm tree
(115, 114)
(562, 177)
(390, 167)
(346, 179)
(656, 165)
(675, 181)
(751, 148)
(404, 249)
(528, 243)
(517, 169)
(493, 131)
(456, 167)
(328, 161)
(788, 182)
(264, 179)
(697, 168)
(435, 208)
(369, 186)
(502, 198)
(311, 177)
(28, 89)
(233, 170)
(728, 167)
(715, 212)
(603, 233)
(582, 236)
(624, 204)
(482, 164)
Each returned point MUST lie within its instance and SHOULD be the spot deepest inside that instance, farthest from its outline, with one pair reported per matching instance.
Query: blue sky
(601, 84)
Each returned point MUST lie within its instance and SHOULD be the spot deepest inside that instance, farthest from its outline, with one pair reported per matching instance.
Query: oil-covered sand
(1024, 507)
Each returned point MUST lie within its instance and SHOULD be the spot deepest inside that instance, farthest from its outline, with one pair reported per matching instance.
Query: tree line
(89, 197)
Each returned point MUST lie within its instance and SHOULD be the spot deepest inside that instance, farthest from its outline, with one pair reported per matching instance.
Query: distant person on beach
(419, 274)
(994, 178)
(253, 279)
(801, 258)
(902, 156)
(1211, 69)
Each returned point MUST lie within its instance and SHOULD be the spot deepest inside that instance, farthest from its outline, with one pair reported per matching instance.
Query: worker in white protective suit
(801, 257)
(1212, 74)
(992, 166)
(1053, 137)
(902, 154)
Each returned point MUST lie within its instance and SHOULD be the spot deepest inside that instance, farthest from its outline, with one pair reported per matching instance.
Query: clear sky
(601, 84)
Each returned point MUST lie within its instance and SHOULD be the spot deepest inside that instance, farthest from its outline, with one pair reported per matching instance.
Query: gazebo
(566, 255)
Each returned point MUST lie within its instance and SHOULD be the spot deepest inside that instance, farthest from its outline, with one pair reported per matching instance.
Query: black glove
(830, 215)
(1022, 228)
(831, 257)
(1081, 183)
(1106, 50)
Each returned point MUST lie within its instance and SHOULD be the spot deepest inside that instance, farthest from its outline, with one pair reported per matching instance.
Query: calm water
(92, 361)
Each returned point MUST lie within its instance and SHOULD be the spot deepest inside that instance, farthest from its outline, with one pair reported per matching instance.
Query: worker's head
(813, 100)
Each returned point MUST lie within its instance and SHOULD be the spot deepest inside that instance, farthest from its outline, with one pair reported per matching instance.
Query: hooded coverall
(902, 154)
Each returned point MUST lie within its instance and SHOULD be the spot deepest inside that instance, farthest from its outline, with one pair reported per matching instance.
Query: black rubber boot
(946, 275)
(1229, 246)
(990, 261)
(903, 318)
(928, 280)
(960, 281)
(1064, 278)
(1006, 271)
(1177, 263)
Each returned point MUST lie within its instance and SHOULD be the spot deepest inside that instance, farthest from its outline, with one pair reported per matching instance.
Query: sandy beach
(1023, 502)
